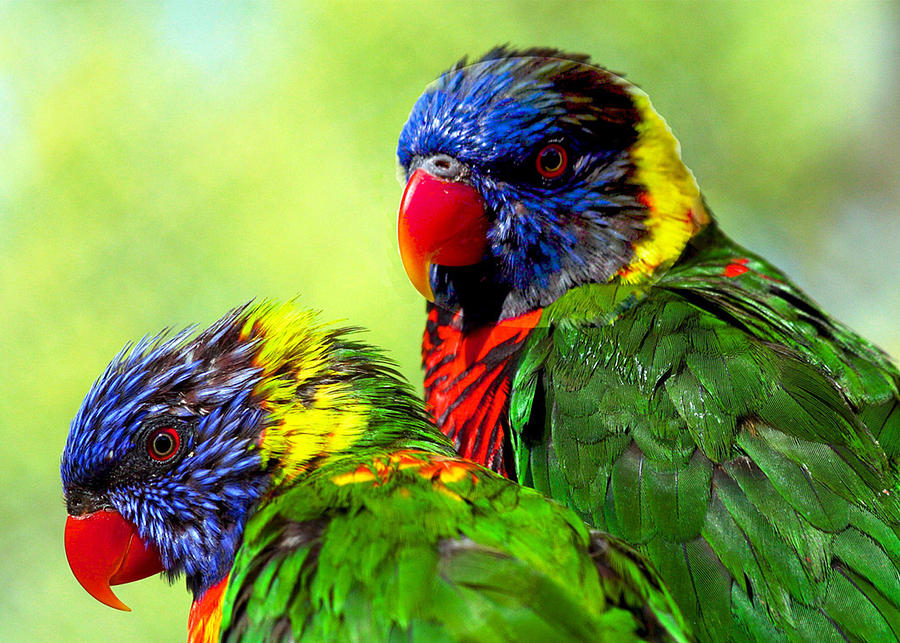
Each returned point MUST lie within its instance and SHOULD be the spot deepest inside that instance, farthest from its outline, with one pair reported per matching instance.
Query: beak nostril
(444, 166)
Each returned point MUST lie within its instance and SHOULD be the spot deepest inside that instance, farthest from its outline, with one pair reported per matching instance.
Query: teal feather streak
(677, 496)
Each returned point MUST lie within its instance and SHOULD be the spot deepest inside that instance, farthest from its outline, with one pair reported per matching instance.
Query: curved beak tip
(104, 549)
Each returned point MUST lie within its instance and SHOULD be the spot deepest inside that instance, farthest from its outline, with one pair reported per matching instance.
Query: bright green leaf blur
(161, 164)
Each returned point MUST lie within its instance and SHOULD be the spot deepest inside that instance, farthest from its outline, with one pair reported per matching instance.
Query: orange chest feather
(206, 614)
(467, 381)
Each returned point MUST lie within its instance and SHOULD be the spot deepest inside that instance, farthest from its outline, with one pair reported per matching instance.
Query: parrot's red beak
(104, 549)
(440, 222)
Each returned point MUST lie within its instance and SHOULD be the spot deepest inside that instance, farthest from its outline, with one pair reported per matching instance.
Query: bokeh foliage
(162, 162)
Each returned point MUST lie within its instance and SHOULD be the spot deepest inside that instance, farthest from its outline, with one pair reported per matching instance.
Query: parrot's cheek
(440, 222)
(104, 549)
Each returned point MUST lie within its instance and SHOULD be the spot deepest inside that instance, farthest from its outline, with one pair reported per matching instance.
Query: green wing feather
(410, 558)
(746, 443)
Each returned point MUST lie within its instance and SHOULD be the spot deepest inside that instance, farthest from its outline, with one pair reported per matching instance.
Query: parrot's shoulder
(735, 285)
(722, 319)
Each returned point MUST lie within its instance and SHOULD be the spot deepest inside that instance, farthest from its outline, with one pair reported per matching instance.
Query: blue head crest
(483, 113)
(120, 400)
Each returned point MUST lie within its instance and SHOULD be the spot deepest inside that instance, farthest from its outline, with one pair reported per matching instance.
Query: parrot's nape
(289, 474)
(594, 335)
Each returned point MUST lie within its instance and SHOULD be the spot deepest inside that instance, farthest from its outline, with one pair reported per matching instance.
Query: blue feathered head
(167, 438)
(180, 438)
(562, 157)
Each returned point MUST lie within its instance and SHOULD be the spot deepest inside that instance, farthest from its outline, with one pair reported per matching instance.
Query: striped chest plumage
(467, 380)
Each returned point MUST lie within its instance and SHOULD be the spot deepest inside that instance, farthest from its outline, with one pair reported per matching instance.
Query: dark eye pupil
(163, 444)
(551, 160)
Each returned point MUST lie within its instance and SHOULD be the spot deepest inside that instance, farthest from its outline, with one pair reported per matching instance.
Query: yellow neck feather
(309, 417)
(676, 210)
(302, 434)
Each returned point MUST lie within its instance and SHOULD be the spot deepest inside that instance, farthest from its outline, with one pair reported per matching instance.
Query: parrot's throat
(467, 380)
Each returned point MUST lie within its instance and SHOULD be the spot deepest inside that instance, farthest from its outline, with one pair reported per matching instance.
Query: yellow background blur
(161, 163)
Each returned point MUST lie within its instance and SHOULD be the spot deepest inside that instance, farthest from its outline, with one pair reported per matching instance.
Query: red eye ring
(551, 162)
(162, 444)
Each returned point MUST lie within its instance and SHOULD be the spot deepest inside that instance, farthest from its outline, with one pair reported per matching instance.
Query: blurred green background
(160, 163)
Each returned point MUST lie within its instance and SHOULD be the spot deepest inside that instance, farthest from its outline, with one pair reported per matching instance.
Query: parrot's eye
(163, 443)
(551, 162)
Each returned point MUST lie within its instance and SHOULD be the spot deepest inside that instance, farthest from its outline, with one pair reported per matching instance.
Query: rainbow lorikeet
(595, 336)
(291, 476)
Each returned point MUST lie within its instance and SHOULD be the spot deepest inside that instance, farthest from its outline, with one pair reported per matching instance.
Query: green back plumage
(419, 546)
(746, 442)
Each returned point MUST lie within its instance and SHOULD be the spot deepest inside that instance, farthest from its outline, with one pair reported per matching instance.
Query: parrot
(592, 333)
(290, 474)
